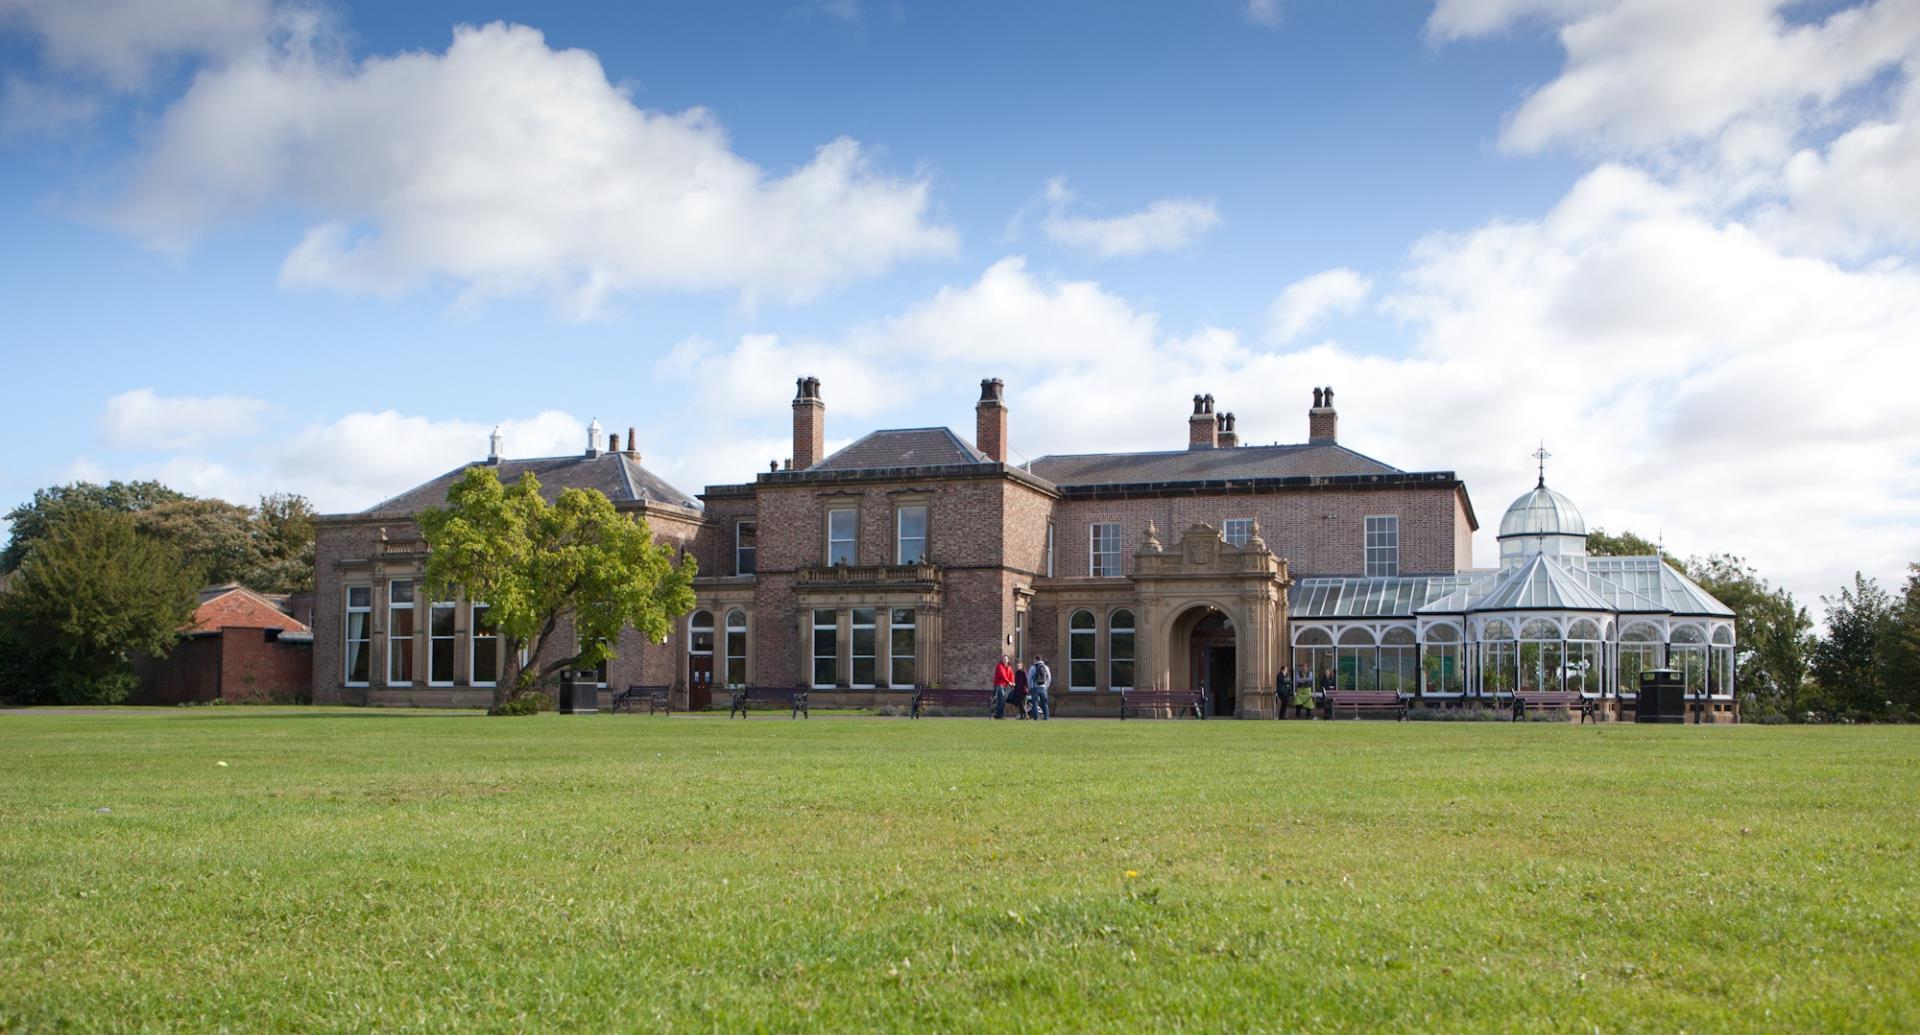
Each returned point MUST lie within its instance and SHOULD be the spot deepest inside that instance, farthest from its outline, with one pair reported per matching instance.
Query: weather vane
(1541, 455)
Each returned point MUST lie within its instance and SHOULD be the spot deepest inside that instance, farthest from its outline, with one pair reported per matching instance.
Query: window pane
(357, 661)
(1237, 531)
(746, 548)
(840, 537)
(359, 596)
(440, 661)
(401, 592)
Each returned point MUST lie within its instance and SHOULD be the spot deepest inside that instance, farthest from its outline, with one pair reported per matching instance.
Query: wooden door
(699, 682)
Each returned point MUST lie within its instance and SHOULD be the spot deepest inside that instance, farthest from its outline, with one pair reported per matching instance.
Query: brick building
(913, 557)
(241, 646)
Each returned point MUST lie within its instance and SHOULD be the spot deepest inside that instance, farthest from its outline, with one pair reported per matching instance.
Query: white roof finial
(594, 433)
(493, 443)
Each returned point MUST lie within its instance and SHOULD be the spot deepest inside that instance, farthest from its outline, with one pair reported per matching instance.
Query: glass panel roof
(1371, 598)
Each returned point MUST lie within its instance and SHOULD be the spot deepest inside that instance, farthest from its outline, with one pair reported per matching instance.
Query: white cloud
(1646, 74)
(1308, 302)
(362, 458)
(504, 166)
(1168, 224)
(1264, 12)
(31, 107)
(121, 42)
(144, 419)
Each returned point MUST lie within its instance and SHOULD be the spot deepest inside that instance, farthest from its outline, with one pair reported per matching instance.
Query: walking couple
(1025, 688)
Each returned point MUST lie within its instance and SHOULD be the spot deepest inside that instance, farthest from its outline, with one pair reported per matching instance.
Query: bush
(523, 704)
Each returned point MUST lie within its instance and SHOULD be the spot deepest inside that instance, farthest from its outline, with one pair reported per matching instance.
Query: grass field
(421, 871)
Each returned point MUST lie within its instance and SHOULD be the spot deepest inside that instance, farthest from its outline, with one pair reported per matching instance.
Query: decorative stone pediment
(1200, 551)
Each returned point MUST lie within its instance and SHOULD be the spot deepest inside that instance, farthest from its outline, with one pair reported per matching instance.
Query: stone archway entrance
(1213, 661)
(1213, 614)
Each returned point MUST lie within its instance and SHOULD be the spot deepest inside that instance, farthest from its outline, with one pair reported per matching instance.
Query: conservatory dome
(1543, 511)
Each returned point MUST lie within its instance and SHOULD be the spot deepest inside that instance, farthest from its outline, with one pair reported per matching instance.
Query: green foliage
(536, 563)
(1902, 648)
(91, 594)
(381, 870)
(1775, 634)
(1626, 544)
(268, 548)
(1850, 663)
(532, 703)
(35, 520)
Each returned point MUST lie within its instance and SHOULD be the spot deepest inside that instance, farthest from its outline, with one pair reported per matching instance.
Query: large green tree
(1850, 661)
(91, 594)
(283, 537)
(1902, 664)
(538, 564)
(33, 520)
(1773, 631)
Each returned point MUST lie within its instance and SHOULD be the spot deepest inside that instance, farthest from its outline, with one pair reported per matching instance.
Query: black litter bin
(1662, 697)
(579, 693)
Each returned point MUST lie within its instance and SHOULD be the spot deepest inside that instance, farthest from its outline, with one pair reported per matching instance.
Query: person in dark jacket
(1021, 693)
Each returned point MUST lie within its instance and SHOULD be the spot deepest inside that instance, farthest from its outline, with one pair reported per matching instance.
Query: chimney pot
(1203, 428)
(1229, 438)
(809, 424)
(990, 420)
(1323, 421)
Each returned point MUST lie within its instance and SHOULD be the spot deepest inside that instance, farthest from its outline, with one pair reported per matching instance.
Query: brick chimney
(1228, 438)
(1322, 421)
(809, 424)
(990, 420)
(633, 443)
(1202, 429)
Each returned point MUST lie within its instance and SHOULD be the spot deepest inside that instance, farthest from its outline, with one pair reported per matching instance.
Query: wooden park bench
(949, 697)
(1359, 701)
(1565, 701)
(1177, 702)
(793, 698)
(656, 698)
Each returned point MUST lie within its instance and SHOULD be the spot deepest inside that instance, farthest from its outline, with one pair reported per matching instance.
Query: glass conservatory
(1549, 618)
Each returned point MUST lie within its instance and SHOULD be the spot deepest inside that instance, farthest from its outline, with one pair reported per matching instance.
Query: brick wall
(254, 668)
(1317, 531)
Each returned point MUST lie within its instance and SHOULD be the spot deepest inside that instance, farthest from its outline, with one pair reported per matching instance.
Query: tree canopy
(1850, 662)
(92, 593)
(268, 547)
(1626, 544)
(537, 564)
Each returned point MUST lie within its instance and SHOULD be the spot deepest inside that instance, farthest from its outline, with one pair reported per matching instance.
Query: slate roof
(1313, 459)
(618, 475)
(903, 447)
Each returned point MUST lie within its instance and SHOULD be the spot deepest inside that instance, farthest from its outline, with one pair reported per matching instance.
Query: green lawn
(426, 871)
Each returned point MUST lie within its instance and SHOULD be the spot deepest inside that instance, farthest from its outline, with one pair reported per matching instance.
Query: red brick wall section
(254, 669)
(1318, 532)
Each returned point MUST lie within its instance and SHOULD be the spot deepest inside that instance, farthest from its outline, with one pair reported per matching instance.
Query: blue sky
(253, 245)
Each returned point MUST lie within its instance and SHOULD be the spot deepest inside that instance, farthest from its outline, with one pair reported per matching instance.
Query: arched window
(1499, 658)
(1540, 655)
(736, 648)
(1687, 652)
(1080, 644)
(1443, 660)
(1584, 657)
(1357, 660)
(1120, 650)
(1312, 656)
(1640, 650)
(1720, 674)
(1399, 660)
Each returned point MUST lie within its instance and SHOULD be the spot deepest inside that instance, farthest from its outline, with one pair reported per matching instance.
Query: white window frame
(413, 592)
(813, 649)
(1237, 531)
(1094, 535)
(474, 610)
(452, 607)
(726, 647)
(1382, 538)
(1133, 652)
(1092, 660)
(854, 657)
(738, 549)
(900, 538)
(347, 639)
(853, 535)
(1049, 549)
(912, 628)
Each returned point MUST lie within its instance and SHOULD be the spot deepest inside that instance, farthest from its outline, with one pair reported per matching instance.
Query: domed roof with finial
(1542, 511)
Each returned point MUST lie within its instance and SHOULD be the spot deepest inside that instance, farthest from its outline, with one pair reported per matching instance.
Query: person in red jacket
(1002, 682)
